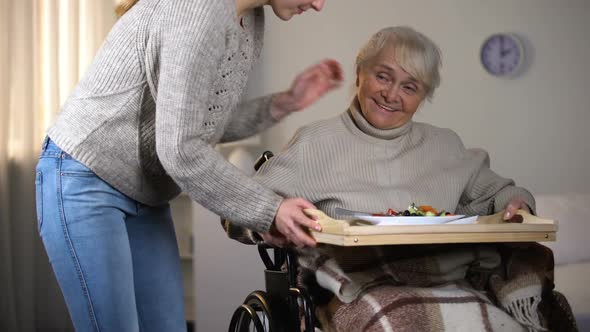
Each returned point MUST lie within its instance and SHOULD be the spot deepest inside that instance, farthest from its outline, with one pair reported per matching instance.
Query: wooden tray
(486, 229)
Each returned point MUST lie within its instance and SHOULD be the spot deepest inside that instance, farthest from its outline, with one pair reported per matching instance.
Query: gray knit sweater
(346, 162)
(162, 90)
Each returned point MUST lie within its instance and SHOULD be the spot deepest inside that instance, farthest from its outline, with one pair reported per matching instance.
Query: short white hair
(414, 52)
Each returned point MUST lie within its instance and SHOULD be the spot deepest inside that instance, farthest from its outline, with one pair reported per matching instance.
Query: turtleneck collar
(361, 123)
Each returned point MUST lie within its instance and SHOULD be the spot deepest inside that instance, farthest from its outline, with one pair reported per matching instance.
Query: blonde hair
(124, 6)
(414, 52)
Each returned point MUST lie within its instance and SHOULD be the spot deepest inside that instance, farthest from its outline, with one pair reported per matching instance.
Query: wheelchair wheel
(253, 315)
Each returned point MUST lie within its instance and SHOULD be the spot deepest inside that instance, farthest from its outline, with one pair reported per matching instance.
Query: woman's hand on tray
(291, 224)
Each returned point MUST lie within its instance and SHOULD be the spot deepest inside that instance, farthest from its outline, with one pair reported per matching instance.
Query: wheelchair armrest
(266, 155)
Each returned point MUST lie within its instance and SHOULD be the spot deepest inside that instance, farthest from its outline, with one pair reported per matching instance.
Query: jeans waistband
(50, 149)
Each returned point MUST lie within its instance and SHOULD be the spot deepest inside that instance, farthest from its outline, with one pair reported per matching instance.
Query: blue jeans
(116, 260)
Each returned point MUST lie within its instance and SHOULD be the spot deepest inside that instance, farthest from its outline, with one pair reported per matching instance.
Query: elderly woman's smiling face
(387, 94)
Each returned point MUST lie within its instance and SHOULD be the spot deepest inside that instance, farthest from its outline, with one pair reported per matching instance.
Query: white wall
(534, 126)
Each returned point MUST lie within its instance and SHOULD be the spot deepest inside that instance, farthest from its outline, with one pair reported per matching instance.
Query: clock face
(502, 54)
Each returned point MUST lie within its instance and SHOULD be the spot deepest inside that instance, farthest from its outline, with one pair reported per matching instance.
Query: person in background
(139, 128)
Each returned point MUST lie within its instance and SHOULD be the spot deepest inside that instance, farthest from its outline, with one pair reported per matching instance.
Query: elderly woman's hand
(292, 223)
(514, 205)
(307, 87)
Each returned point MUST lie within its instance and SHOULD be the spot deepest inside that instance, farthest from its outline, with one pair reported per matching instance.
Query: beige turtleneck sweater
(346, 162)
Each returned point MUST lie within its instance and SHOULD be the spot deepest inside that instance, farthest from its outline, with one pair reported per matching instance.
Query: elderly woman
(373, 157)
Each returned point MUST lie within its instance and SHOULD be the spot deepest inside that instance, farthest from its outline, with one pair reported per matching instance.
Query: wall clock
(502, 54)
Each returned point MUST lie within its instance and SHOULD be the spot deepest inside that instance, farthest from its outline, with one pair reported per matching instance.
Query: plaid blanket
(466, 287)
(452, 307)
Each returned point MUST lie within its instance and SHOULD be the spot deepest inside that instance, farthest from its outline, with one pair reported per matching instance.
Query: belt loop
(45, 143)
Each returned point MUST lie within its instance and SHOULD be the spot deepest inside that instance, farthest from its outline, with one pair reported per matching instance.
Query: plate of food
(413, 215)
(391, 220)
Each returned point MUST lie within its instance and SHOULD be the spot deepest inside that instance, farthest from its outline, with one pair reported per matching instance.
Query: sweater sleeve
(281, 174)
(192, 37)
(251, 117)
(487, 192)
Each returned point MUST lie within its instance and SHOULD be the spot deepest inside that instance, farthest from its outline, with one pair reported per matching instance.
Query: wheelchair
(281, 307)
(284, 306)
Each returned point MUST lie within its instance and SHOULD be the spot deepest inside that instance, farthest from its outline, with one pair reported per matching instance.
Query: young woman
(138, 129)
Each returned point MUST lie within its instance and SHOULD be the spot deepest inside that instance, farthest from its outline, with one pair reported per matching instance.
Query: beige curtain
(45, 45)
